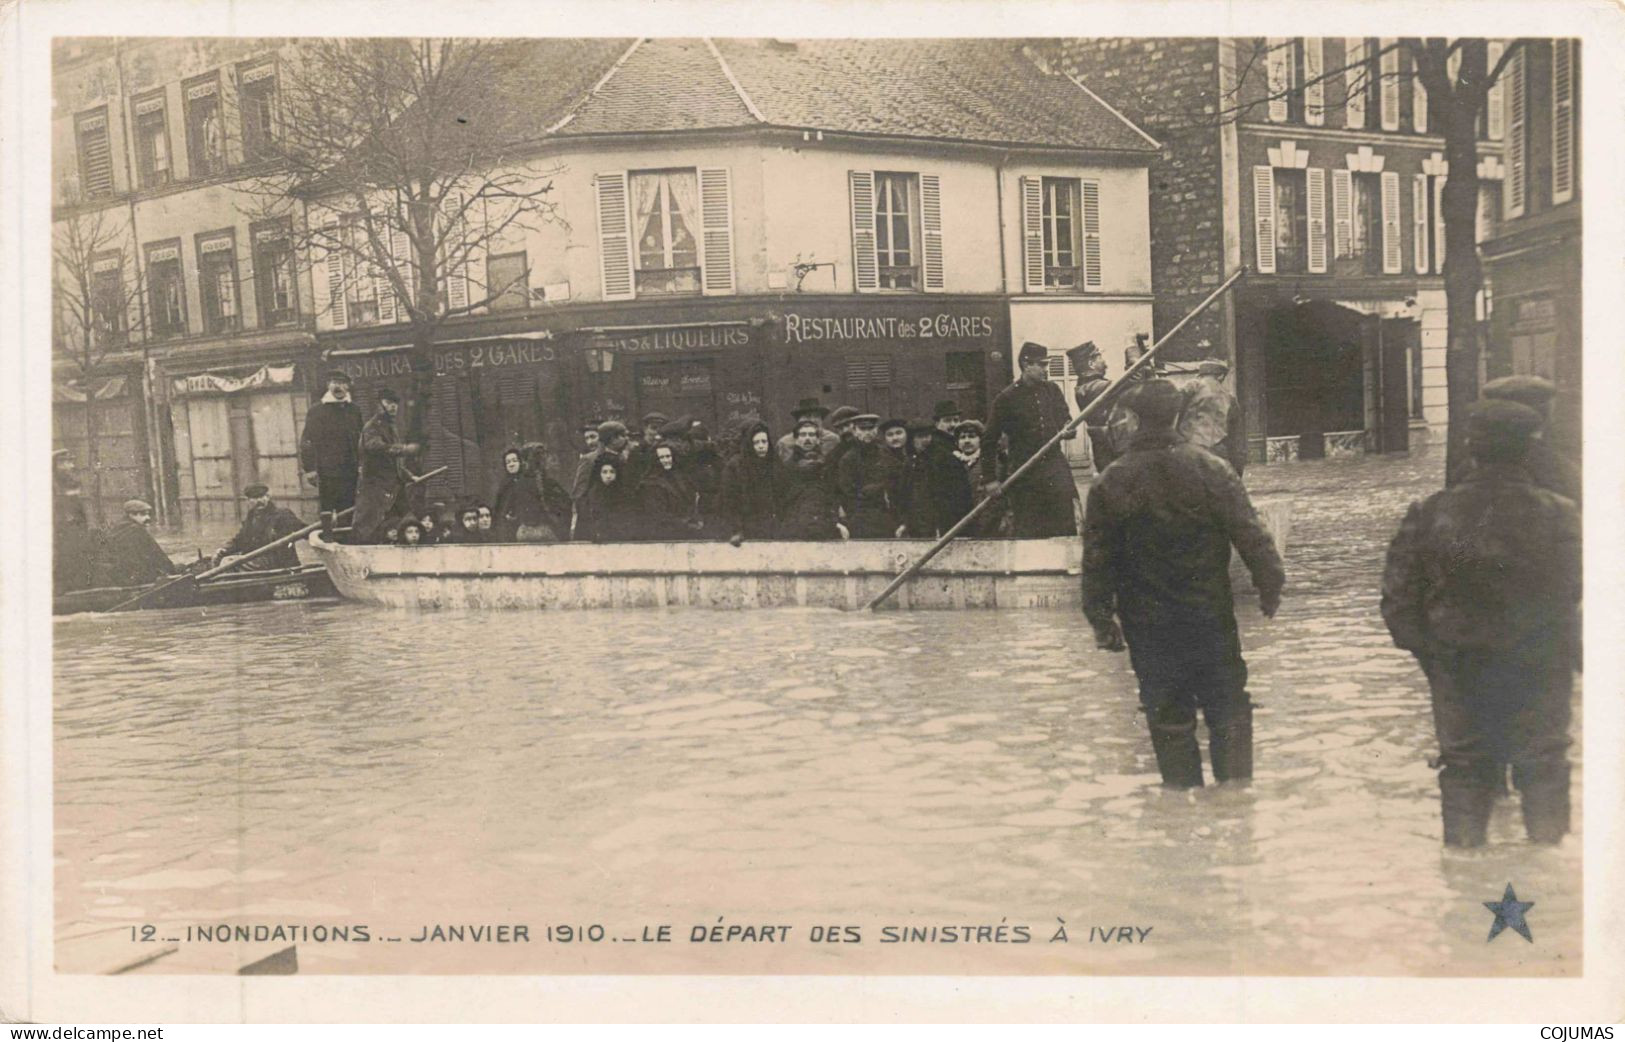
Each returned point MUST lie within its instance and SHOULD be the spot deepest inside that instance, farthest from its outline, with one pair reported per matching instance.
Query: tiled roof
(981, 90)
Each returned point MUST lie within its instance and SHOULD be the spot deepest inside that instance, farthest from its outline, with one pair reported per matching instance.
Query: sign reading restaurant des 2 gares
(452, 359)
(973, 324)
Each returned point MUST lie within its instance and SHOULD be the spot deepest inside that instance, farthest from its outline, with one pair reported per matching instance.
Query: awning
(228, 383)
(112, 387)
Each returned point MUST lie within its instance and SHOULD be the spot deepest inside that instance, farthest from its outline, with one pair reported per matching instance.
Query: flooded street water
(335, 764)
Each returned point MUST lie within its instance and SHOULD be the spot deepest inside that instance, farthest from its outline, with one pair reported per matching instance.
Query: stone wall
(1169, 88)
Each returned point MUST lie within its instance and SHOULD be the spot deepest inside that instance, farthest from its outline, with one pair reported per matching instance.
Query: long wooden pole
(1032, 461)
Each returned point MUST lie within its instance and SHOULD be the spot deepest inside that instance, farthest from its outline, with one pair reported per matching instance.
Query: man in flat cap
(329, 447)
(265, 523)
(130, 555)
(1551, 469)
(1482, 585)
(1211, 418)
(1027, 414)
(1156, 575)
(384, 474)
(865, 477)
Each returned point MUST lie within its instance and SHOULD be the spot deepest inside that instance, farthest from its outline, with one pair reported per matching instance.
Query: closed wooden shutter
(95, 156)
(1388, 92)
(400, 248)
(1495, 102)
(865, 264)
(1419, 99)
(1438, 223)
(614, 236)
(1032, 234)
(1314, 86)
(1315, 183)
(931, 231)
(1393, 258)
(1093, 275)
(1419, 222)
(1342, 208)
(1562, 121)
(1355, 81)
(1278, 63)
(1264, 217)
(1517, 181)
(381, 286)
(335, 278)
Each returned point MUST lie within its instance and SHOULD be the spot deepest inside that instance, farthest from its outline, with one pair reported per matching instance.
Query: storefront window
(666, 203)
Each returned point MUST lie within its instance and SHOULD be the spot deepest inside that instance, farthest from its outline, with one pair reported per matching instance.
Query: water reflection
(336, 763)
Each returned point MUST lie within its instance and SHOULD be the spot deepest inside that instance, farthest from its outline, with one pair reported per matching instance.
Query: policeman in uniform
(1027, 414)
(1158, 530)
(1482, 586)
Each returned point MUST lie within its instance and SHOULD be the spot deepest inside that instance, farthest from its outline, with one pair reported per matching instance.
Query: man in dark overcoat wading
(1483, 585)
(1158, 529)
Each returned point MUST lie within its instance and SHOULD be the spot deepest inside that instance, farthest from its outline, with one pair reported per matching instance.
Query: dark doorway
(1314, 372)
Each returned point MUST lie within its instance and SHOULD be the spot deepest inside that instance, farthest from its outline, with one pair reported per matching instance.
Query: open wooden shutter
(1278, 62)
(1393, 258)
(1562, 120)
(1495, 102)
(1093, 275)
(1355, 82)
(455, 258)
(1517, 181)
(1419, 222)
(1032, 234)
(382, 288)
(1315, 183)
(931, 232)
(1388, 89)
(1314, 87)
(865, 264)
(1438, 223)
(1419, 98)
(717, 222)
(614, 236)
(1264, 217)
(335, 278)
(400, 247)
(1342, 207)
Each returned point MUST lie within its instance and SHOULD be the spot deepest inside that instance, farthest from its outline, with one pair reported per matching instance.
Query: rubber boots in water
(1545, 791)
(1173, 739)
(1466, 798)
(1230, 742)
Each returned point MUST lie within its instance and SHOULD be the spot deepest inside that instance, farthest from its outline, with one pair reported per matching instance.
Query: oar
(1032, 461)
(253, 555)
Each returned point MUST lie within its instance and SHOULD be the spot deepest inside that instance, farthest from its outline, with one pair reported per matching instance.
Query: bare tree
(395, 163)
(93, 294)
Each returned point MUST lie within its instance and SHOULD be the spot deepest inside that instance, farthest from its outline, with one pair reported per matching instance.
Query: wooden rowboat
(307, 582)
(968, 574)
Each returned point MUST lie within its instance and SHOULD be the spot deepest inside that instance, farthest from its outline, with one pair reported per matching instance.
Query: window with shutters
(1295, 80)
(166, 289)
(507, 276)
(665, 220)
(205, 131)
(1291, 221)
(217, 281)
(1489, 210)
(1564, 53)
(1362, 78)
(867, 372)
(1517, 134)
(257, 104)
(1430, 222)
(95, 154)
(107, 298)
(274, 292)
(897, 230)
(360, 283)
(152, 141)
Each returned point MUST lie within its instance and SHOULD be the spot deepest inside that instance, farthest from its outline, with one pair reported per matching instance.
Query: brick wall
(1169, 88)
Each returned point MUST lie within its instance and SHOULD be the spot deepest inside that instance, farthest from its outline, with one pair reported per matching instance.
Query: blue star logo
(1509, 913)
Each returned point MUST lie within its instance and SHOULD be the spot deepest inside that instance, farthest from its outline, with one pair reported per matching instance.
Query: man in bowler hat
(1156, 576)
(1482, 585)
(1027, 414)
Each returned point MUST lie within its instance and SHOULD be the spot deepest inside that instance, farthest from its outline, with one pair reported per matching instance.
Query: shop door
(208, 420)
(1396, 339)
(1314, 374)
(677, 389)
(276, 445)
